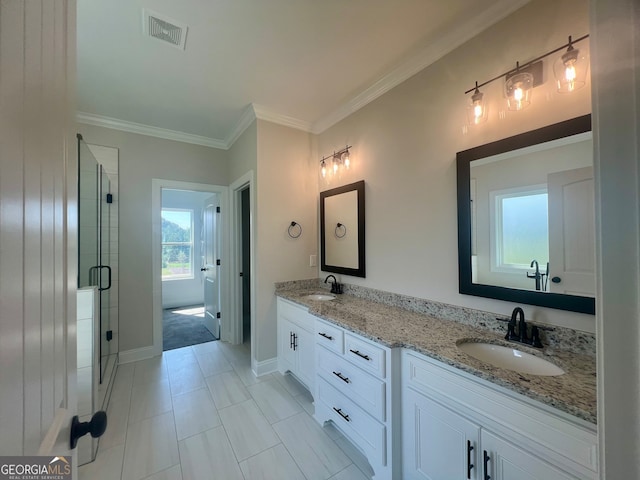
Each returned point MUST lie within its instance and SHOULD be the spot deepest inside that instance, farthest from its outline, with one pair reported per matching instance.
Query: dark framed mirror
(342, 233)
(526, 218)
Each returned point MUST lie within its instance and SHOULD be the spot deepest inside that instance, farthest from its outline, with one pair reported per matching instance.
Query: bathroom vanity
(394, 381)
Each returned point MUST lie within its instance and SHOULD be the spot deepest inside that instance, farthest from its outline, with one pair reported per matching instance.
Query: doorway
(188, 256)
(245, 253)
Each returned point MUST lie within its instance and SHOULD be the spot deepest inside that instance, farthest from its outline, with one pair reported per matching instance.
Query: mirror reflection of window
(520, 228)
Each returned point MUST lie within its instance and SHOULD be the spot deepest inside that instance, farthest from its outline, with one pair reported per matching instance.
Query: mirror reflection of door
(210, 267)
(572, 232)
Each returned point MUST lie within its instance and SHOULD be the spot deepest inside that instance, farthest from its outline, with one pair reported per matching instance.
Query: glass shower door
(104, 270)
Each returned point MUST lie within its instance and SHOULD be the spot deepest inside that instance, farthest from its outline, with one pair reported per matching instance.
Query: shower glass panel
(104, 272)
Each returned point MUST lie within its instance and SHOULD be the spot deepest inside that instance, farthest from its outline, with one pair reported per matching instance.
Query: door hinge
(218, 315)
(218, 262)
(109, 197)
(109, 335)
(217, 209)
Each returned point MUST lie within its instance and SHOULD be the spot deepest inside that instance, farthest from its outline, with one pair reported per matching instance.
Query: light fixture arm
(518, 66)
(336, 154)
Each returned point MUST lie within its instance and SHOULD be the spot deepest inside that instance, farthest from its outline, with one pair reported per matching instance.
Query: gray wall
(143, 158)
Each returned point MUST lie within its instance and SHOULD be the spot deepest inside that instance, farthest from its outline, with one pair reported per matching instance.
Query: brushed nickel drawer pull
(339, 375)
(328, 337)
(361, 355)
(346, 417)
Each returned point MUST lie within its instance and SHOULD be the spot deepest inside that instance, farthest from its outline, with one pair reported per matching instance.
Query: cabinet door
(286, 354)
(305, 349)
(508, 462)
(437, 442)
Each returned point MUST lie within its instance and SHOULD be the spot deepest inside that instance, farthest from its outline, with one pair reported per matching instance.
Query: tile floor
(199, 413)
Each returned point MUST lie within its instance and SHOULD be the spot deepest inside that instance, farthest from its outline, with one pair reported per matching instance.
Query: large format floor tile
(227, 389)
(315, 452)
(274, 400)
(271, 464)
(194, 413)
(249, 431)
(209, 455)
(151, 447)
(170, 420)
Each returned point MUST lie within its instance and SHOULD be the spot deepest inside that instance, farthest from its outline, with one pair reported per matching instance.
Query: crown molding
(247, 118)
(263, 113)
(473, 26)
(140, 129)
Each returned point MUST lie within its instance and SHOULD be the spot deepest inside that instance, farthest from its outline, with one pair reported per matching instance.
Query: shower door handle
(100, 288)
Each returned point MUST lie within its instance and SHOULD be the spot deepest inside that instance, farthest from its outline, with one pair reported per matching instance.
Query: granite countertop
(574, 392)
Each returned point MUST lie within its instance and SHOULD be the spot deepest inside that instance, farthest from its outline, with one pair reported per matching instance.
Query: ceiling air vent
(164, 28)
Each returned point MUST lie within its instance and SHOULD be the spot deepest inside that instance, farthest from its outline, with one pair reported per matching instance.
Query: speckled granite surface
(435, 336)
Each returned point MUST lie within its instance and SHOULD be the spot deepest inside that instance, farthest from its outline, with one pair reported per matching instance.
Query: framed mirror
(342, 247)
(526, 218)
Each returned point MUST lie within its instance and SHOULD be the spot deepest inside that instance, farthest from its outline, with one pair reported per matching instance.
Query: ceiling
(302, 63)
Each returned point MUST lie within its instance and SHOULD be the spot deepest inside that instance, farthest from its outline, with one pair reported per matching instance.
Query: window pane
(525, 229)
(176, 261)
(176, 226)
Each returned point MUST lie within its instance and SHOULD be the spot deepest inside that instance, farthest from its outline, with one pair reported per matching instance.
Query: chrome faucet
(335, 286)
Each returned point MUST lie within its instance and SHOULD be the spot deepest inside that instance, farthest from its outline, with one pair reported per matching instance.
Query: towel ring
(293, 231)
(340, 228)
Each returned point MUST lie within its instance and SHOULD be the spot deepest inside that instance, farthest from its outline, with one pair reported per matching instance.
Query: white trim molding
(141, 129)
(265, 367)
(136, 354)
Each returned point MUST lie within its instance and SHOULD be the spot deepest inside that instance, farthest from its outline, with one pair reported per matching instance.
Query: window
(177, 244)
(520, 228)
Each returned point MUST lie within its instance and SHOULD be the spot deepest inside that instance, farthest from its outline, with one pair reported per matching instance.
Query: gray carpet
(184, 326)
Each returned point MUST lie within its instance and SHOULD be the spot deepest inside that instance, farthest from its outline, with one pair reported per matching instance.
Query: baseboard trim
(136, 354)
(265, 367)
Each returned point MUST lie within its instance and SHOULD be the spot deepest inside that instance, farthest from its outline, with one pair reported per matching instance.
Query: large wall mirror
(526, 218)
(342, 230)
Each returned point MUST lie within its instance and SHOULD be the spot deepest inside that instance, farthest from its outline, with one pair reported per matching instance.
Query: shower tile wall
(108, 157)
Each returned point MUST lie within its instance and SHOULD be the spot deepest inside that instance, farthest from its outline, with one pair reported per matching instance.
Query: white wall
(186, 291)
(405, 144)
(143, 158)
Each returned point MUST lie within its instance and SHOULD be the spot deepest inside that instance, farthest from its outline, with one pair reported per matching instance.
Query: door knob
(203, 269)
(96, 427)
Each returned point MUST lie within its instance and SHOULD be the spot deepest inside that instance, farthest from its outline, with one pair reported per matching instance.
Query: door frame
(157, 184)
(236, 332)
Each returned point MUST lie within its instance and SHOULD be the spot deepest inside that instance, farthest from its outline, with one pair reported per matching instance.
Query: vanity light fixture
(477, 109)
(570, 70)
(339, 160)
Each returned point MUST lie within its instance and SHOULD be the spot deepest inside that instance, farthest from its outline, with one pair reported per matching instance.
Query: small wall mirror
(526, 218)
(342, 247)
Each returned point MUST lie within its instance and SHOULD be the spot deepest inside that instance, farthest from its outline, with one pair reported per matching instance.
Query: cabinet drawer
(365, 390)
(361, 428)
(330, 336)
(365, 355)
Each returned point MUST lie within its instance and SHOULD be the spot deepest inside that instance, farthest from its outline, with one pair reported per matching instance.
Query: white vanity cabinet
(355, 390)
(455, 427)
(296, 346)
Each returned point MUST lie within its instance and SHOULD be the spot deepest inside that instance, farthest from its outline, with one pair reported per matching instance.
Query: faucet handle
(535, 337)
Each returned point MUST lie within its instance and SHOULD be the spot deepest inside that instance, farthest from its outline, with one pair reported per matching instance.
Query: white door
(38, 257)
(572, 232)
(210, 269)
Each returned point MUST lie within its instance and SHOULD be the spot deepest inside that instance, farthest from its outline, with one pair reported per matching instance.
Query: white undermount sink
(510, 358)
(321, 297)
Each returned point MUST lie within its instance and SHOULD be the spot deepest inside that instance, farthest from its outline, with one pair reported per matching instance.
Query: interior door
(37, 229)
(572, 232)
(210, 268)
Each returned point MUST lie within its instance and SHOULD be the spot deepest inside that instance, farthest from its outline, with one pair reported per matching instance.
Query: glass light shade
(336, 163)
(518, 89)
(323, 169)
(570, 70)
(477, 109)
(346, 159)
